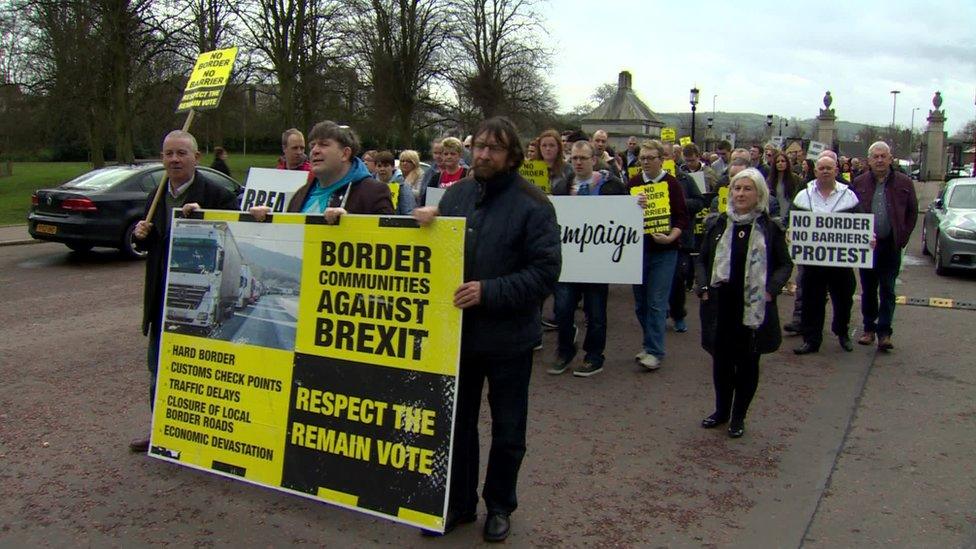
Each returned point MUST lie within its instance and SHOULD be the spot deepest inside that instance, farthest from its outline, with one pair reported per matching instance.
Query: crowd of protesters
(734, 258)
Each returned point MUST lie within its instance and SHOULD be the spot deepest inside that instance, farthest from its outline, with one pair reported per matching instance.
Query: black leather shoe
(805, 349)
(140, 446)
(845, 343)
(713, 421)
(453, 520)
(496, 527)
(737, 428)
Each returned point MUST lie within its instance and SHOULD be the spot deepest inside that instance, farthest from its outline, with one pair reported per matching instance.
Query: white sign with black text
(831, 239)
(602, 238)
(272, 188)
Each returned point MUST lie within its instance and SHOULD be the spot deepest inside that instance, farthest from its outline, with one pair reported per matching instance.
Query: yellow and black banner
(657, 214)
(316, 359)
(208, 80)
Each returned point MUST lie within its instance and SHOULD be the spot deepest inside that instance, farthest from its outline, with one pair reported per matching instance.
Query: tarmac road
(270, 322)
(841, 449)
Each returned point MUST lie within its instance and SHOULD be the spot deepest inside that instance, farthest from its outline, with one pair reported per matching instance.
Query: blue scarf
(318, 198)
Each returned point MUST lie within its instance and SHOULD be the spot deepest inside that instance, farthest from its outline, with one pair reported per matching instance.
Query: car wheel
(940, 269)
(925, 246)
(80, 247)
(128, 246)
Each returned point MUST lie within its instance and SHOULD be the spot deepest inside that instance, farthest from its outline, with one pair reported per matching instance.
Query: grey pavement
(13, 235)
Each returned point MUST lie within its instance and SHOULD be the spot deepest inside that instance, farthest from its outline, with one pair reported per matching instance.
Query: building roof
(623, 106)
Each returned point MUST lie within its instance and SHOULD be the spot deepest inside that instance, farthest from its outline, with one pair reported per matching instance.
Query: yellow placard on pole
(537, 173)
(669, 166)
(668, 135)
(684, 140)
(657, 213)
(208, 80)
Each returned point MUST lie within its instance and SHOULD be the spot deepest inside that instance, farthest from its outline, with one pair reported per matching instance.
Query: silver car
(949, 227)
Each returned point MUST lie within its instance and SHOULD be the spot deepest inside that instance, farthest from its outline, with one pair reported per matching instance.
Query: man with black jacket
(585, 182)
(511, 263)
(189, 190)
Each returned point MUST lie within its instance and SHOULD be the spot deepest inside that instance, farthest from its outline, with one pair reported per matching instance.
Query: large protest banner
(657, 214)
(272, 188)
(831, 239)
(602, 238)
(316, 359)
(208, 80)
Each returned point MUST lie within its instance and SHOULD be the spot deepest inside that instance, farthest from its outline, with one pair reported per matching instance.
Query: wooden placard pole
(165, 181)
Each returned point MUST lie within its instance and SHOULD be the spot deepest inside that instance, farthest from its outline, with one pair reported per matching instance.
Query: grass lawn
(15, 190)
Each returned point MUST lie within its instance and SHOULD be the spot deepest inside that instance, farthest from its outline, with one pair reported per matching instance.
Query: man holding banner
(586, 182)
(511, 263)
(665, 217)
(826, 195)
(188, 190)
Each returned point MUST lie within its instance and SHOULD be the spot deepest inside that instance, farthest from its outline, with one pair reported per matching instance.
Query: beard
(484, 170)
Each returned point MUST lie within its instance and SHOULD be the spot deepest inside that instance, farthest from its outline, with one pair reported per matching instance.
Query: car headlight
(960, 233)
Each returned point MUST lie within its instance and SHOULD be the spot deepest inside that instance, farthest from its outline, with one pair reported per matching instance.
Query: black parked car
(102, 207)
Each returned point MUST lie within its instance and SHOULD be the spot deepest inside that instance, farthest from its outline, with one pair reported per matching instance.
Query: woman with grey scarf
(742, 267)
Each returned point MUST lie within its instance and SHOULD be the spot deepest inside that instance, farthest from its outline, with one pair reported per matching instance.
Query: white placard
(778, 141)
(831, 239)
(272, 188)
(602, 238)
(699, 179)
(814, 150)
(434, 195)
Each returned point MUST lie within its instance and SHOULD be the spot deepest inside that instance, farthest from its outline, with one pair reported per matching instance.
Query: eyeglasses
(494, 148)
(648, 158)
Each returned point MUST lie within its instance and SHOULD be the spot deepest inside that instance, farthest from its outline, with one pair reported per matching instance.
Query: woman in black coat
(742, 267)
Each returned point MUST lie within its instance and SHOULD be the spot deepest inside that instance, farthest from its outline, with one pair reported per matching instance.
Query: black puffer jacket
(512, 246)
(766, 338)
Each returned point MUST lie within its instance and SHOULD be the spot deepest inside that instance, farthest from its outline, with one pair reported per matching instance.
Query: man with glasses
(660, 255)
(511, 263)
(586, 182)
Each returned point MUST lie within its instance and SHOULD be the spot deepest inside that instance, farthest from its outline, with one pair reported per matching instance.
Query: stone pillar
(827, 123)
(934, 163)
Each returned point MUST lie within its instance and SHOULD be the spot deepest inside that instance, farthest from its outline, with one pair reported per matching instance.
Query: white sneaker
(640, 356)
(650, 362)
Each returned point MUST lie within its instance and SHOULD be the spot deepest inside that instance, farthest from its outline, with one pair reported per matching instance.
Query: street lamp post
(894, 102)
(694, 105)
(769, 125)
(911, 136)
(781, 126)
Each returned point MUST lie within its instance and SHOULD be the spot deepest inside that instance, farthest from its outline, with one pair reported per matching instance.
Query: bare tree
(401, 47)
(501, 67)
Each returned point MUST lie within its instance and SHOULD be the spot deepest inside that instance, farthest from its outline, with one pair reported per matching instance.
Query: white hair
(879, 145)
(762, 190)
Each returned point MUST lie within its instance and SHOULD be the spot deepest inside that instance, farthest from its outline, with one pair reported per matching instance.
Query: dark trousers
(736, 376)
(887, 263)
(798, 297)
(818, 282)
(594, 307)
(679, 286)
(508, 399)
(152, 360)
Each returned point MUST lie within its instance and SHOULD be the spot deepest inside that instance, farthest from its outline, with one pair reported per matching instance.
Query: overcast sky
(772, 57)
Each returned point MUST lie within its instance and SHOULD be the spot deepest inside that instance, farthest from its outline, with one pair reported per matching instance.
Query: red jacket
(901, 198)
(305, 165)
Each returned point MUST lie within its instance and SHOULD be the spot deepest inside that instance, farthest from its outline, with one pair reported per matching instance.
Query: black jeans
(679, 288)
(818, 282)
(887, 263)
(594, 297)
(736, 376)
(508, 399)
(152, 360)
